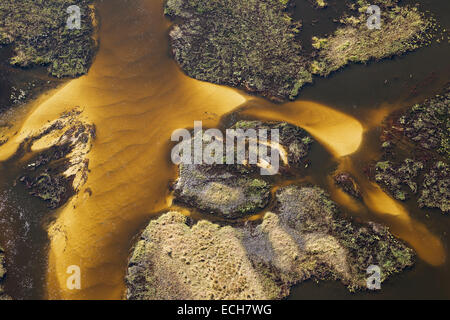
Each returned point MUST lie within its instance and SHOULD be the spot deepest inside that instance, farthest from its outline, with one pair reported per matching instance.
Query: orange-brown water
(342, 135)
(136, 96)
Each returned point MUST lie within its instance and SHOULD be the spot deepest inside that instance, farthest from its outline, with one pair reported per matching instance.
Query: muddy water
(136, 96)
(22, 236)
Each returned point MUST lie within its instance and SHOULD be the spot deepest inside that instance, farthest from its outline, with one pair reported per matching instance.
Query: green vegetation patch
(242, 43)
(399, 179)
(310, 211)
(234, 191)
(221, 190)
(37, 31)
(435, 191)
(296, 141)
(402, 29)
(416, 153)
(428, 124)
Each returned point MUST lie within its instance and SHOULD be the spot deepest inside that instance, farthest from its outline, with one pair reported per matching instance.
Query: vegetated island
(254, 44)
(38, 33)
(34, 35)
(303, 235)
(56, 164)
(416, 154)
(235, 191)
